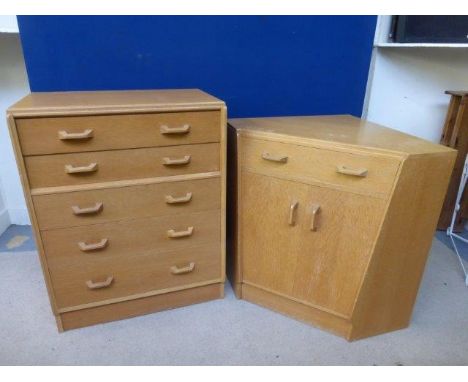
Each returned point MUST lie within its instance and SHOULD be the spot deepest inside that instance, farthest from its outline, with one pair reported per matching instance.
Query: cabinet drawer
(133, 275)
(99, 206)
(104, 166)
(94, 133)
(131, 237)
(357, 172)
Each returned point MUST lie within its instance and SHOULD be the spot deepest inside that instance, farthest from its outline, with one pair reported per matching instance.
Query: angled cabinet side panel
(390, 287)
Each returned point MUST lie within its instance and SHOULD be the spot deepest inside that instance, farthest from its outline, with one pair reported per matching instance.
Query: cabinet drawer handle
(313, 220)
(70, 169)
(64, 135)
(77, 210)
(179, 271)
(99, 284)
(171, 162)
(182, 199)
(184, 129)
(292, 212)
(93, 246)
(175, 234)
(362, 172)
(275, 158)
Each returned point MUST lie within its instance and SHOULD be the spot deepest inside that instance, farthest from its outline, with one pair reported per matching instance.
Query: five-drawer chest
(330, 219)
(126, 195)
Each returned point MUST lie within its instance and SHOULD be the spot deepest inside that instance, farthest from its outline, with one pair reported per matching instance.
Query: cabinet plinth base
(131, 308)
(310, 315)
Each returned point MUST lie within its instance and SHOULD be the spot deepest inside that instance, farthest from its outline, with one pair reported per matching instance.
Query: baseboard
(4, 220)
(19, 216)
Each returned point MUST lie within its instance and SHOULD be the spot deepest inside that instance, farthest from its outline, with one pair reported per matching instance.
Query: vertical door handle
(292, 212)
(77, 210)
(70, 169)
(313, 220)
(184, 129)
(181, 199)
(178, 271)
(99, 284)
(65, 135)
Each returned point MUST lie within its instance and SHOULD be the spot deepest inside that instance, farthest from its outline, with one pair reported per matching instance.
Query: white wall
(13, 86)
(8, 24)
(406, 87)
(4, 216)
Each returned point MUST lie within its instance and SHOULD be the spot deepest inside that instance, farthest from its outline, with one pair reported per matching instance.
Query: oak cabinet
(331, 219)
(126, 194)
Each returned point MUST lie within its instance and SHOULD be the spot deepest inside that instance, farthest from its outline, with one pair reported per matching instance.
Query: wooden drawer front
(310, 165)
(99, 206)
(131, 237)
(133, 275)
(94, 133)
(104, 166)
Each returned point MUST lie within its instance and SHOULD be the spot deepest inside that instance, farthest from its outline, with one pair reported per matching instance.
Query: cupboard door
(321, 258)
(270, 230)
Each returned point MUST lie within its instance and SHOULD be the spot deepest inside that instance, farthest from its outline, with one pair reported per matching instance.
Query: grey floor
(228, 331)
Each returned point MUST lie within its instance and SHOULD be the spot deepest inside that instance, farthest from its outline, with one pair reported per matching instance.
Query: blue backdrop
(259, 65)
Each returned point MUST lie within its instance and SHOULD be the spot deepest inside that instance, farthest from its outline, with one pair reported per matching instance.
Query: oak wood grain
(49, 170)
(349, 261)
(40, 136)
(139, 201)
(314, 166)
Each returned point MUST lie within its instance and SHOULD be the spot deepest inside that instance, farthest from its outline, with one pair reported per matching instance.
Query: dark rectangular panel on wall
(260, 65)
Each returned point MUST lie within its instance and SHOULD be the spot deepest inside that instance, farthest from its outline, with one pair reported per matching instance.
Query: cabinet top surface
(337, 130)
(110, 101)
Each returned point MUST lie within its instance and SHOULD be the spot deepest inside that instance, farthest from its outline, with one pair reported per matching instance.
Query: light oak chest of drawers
(330, 219)
(126, 194)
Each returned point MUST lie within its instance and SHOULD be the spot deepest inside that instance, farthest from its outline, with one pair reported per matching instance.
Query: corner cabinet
(331, 219)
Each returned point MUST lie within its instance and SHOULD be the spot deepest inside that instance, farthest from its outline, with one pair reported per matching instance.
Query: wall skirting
(4, 220)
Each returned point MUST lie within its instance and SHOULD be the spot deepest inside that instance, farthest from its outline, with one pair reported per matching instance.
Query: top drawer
(105, 132)
(362, 173)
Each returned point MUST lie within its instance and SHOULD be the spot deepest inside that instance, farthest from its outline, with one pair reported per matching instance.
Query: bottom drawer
(86, 283)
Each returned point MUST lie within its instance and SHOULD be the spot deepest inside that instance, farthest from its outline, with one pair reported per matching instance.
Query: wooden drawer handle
(292, 212)
(184, 129)
(70, 169)
(93, 246)
(362, 172)
(174, 162)
(99, 284)
(313, 220)
(175, 234)
(275, 158)
(182, 199)
(179, 271)
(64, 135)
(77, 210)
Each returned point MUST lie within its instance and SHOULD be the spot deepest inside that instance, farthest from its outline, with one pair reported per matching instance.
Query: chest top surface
(342, 130)
(95, 102)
